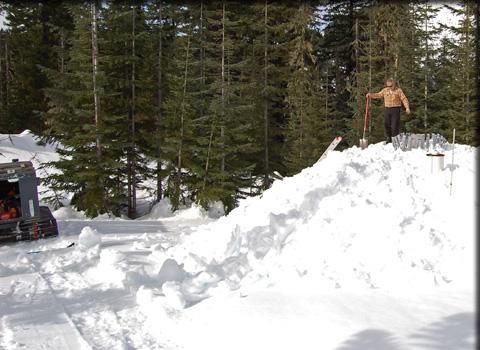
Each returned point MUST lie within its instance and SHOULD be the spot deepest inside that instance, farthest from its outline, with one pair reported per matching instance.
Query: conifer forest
(211, 101)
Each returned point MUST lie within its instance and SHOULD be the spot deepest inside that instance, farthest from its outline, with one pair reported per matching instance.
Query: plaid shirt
(392, 98)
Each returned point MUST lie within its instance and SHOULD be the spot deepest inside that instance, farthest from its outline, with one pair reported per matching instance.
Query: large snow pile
(367, 245)
(373, 218)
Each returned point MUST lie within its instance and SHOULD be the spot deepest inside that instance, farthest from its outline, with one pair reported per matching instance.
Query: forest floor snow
(364, 250)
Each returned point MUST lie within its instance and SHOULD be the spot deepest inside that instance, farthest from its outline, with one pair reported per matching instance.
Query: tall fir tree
(33, 29)
(463, 45)
(303, 129)
(77, 120)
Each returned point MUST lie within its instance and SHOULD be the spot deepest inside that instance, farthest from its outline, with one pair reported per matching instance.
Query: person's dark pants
(391, 122)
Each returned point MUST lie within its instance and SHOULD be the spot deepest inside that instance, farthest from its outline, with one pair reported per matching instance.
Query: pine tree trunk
(62, 52)
(467, 73)
(159, 102)
(132, 202)
(425, 110)
(396, 57)
(182, 122)
(209, 149)
(302, 92)
(202, 82)
(326, 94)
(266, 183)
(94, 77)
(369, 65)
(357, 86)
(96, 102)
(222, 112)
(385, 59)
(413, 61)
(202, 64)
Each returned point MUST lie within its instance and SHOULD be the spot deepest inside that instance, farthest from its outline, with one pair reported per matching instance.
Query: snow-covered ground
(366, 249)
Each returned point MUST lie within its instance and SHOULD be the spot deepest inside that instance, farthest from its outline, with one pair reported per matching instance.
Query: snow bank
(163, 210)
(373, 218)
(24, 146)
(26, 141)
(68, 213)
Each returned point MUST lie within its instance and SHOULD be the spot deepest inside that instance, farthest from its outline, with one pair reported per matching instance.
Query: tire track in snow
(98, 323)
(34, 318)
(91, 308)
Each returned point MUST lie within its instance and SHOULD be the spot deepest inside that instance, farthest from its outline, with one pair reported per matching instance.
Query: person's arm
(404, 100)
(376, 94)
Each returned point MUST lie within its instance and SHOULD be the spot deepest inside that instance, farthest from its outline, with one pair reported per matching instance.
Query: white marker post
(451, 167)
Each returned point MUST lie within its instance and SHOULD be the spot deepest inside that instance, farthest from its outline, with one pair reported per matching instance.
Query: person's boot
(388, 140)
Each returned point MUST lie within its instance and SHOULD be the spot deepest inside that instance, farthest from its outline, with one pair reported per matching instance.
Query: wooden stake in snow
(451, 167)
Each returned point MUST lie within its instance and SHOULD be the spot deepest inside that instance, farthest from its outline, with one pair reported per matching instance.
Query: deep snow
(364, 250)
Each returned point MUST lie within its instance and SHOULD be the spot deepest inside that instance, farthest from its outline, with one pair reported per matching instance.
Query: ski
(51, 250)
(332, 146)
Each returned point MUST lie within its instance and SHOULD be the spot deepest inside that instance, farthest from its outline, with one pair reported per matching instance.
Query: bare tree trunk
(385, 60)
(425, 110)
(159, 101)
(222, 112)
(413, 62)
(467, 73)
(357, 77)
(132, 203)
(302, 67)
(182, 119)
(202, 82)
(266, 183)
(396, 55)
(202, 64)
(369, 66)
(94, 77)
(62, 52)
(326, 94)
(212, 128)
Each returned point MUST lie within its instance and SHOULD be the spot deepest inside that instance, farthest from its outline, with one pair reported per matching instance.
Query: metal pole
(451, 167)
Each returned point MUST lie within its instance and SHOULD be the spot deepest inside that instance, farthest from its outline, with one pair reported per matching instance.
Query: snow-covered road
(54, 297)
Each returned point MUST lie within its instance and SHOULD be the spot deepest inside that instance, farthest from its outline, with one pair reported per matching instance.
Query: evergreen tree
(268, 27)
(426, 35)
(463, 49)
(303, 127)
(339, 34)
(33, 29)
(78, 119)
(223, 142)
(126, 35)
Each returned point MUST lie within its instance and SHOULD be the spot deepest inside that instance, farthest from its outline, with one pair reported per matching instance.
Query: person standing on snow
(394, 98)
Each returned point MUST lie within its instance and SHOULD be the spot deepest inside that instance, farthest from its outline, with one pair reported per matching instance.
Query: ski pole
(451, 167)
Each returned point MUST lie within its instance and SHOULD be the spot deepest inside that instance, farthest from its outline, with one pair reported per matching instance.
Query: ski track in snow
(363, 251)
